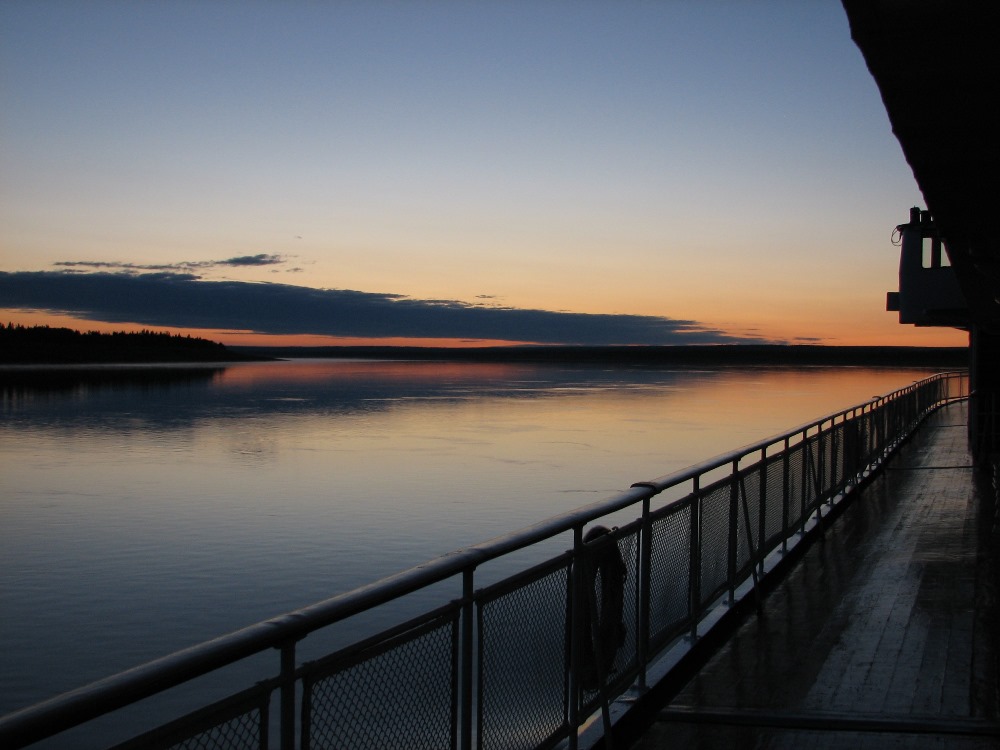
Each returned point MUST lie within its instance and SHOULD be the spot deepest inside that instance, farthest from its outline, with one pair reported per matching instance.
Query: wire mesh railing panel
(832, 448)
(938, 391)
(885, 425)
(774, 491)
(747, 509)
(627, 662)
(524, 658)
(398, 689)
(795, 472)
(927, 395)
(670, 572)
(714, 541)
(821, 484)
(851, 452)
(239, 722)
(811, 488)
(235, 734)
(866, 435)
(863, 432)
(629, 544)
(956, 386)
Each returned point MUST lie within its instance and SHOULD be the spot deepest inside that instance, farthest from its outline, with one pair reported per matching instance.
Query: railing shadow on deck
(530, 660)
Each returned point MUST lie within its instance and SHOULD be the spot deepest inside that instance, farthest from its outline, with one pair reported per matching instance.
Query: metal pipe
(468, 586)
(694, 566)
(576, 638)
(645, 587)
(288, 696)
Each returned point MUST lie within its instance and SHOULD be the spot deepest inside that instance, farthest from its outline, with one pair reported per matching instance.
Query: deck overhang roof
(937, 67)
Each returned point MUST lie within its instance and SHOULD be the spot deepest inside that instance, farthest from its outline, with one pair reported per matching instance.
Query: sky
(449, 172)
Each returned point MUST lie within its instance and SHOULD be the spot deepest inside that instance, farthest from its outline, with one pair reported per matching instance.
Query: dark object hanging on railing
(603, 608)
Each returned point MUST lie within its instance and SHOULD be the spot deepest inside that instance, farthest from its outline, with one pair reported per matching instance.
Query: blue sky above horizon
(681, 170)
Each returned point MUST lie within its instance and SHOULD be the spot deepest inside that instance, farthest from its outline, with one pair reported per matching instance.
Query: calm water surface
(142, 515)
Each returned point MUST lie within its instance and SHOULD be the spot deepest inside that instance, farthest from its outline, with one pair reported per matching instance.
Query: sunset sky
(449, 172)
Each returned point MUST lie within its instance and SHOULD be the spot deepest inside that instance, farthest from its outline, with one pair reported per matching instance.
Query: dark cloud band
(182, 300)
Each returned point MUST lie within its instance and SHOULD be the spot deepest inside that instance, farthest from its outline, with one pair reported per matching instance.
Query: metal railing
(526, 661)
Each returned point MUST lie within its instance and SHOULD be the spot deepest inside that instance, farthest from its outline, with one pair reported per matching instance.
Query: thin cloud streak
(254, 261)
(183, 300)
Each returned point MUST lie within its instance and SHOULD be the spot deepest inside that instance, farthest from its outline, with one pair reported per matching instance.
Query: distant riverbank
(41, 345)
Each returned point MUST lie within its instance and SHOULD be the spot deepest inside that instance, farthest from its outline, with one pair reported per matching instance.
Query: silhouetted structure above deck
(935, 63)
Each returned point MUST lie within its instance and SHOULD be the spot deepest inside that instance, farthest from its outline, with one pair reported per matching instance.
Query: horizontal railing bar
(723, 459)
(682, 475)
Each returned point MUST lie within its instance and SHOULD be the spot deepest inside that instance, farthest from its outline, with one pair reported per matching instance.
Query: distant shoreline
(720, 355)
(43, 345)
(40, 346)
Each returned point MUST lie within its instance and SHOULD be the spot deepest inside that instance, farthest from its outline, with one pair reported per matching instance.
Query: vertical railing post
(287, 724)
(874, 437)
(762, 515)
(804, 487)
(900, 415)
(755, 550)
(734, 531)
(694, 564)
(862, 428)
(821, 462)
(815, 490)
(645, 587)
(878, 412)
(850, 447)
(576, 635)
(836, 454)
(863, 424)
(468, 611)
(872, 440)
(785, 491)
(831, 459)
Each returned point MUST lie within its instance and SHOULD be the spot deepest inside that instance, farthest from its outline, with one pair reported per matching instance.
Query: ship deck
(884, 634)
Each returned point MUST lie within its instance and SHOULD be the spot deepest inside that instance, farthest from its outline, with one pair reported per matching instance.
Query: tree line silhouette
(42, 344)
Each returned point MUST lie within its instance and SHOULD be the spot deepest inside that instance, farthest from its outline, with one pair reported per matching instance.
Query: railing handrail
(704, 467)
(130, 686)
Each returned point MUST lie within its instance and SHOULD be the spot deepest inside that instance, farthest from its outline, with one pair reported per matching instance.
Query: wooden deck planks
(884, 616)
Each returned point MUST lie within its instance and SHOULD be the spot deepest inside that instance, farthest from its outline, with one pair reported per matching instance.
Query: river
(146, 509)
